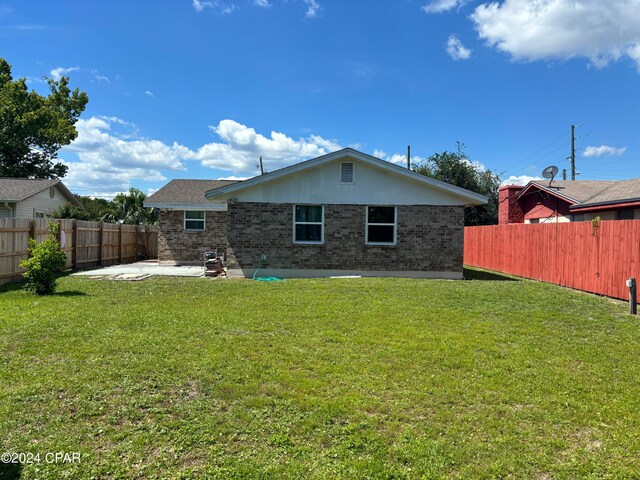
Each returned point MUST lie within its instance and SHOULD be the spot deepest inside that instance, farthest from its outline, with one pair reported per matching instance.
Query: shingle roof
(18, 189)
(589, 192)
(185, 192)
(623, 190)
(578, 190)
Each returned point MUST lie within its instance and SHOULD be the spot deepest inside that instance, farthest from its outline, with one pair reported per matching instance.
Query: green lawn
(351, 378)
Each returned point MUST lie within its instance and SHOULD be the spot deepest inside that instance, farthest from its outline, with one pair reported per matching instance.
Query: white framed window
(382, 225)
(347, 172)
(308, 224)
(194, 220)
(37, 214)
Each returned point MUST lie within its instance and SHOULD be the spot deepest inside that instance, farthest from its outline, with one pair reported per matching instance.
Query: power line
(522, 162)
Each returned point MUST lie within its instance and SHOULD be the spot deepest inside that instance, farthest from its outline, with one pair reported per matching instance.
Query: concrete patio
(145, 268)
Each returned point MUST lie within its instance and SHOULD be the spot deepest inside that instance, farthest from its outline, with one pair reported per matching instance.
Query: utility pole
(261, 167)
(564, 173)
(573, 152)
(408, 157)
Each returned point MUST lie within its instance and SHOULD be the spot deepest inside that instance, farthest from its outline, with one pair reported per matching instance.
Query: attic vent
(346, 172)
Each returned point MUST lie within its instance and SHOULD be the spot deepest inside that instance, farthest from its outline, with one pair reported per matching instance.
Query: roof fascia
(210, 206)
(627, 202)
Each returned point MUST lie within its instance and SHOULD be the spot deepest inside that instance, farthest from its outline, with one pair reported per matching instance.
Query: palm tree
(129, 208)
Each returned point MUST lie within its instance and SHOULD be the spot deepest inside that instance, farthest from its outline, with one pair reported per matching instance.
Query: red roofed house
(569, 201)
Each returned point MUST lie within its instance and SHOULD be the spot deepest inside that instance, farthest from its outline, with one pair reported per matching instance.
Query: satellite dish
(550, 172)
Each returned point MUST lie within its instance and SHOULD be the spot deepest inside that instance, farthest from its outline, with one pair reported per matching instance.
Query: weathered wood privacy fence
(597, 258)
(87, 244)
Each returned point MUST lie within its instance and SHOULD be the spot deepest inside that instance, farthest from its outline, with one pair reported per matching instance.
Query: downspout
(13, 213)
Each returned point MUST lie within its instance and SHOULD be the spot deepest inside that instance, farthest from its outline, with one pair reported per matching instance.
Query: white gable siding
(322, 185)
(40, 202)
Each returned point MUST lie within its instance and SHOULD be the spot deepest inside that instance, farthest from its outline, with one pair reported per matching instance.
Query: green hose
(265, 279)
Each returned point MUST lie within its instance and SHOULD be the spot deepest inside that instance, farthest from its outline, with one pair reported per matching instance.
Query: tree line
(124, 208)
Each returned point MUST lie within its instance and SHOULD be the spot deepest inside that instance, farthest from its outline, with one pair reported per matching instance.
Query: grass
(351, 378)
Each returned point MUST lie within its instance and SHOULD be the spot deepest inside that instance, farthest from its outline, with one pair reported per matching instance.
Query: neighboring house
(345, 213)
(33, 198)
(570, 201)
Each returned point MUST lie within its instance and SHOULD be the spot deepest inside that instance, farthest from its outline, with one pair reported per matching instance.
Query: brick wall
(177, 244)
(429, 238)
(509, 210)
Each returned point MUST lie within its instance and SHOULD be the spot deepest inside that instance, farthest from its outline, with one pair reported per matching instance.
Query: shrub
(46, 260)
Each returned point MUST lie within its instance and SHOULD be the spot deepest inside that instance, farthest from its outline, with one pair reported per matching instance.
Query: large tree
(456, 168)
(34, 127)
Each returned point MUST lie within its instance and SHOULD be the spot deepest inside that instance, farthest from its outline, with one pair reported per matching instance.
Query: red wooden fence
(591, 257)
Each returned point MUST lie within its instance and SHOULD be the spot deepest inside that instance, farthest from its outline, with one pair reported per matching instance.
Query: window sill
(370, 244)
(308, 243)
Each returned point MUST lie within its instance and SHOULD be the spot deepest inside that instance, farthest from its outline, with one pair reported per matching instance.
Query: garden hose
(265, 279)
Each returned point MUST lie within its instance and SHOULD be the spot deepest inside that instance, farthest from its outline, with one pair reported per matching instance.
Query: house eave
(594, 207)
(209, 206)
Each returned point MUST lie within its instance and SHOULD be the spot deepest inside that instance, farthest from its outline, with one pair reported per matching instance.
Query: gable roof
(589, 193)
(19, 189)
(470, 198)
(184, 193)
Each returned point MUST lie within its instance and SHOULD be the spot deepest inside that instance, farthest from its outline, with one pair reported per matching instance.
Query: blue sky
(201, 89)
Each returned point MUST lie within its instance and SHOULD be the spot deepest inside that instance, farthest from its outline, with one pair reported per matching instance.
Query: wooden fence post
(32, 229)
(119, 243)
(137, 244)
(74, 239)
(146, 242)
(100, 240)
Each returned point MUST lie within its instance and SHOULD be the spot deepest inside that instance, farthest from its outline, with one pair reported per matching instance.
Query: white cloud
(233, 177)
(602, 31)
(149, 93)
(109, 161)
(398, 158)
(438, 6)
(97, 142)
(241, 147)
(456, 49)
(313, 8)
(262, 3)
(596, 152)
(519, 180)
(102, 78)
(112, 154)
(215, 5)
(58, 73)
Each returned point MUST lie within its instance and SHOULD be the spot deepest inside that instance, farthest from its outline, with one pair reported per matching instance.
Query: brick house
(569, 201)
(345, 213)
